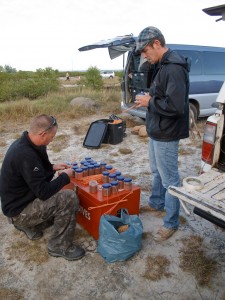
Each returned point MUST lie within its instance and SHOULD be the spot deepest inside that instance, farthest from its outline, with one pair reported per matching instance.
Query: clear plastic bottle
(112, 177)
(127, 184)
(85, 171)
(93, 186)
(114, 187)
(74, 169)
(78, 173)
(120, 182)
(91, 170)
(102, 166)
(97, 169)
(106, 189)
(105, 176)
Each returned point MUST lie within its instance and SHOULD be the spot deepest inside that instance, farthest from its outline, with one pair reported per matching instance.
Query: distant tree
(9, 69)
(2, 69)
(93, 78)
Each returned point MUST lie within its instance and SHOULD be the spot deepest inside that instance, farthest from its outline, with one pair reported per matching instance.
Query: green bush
(92, 79)
(27, 84)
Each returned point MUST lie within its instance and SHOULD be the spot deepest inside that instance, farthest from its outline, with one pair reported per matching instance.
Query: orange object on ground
(94, 205)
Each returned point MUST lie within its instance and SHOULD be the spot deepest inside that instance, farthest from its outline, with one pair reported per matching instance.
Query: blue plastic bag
(114, 246)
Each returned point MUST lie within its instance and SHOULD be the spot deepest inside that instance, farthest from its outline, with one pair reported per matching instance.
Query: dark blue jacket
(27, 174)
(167, 117)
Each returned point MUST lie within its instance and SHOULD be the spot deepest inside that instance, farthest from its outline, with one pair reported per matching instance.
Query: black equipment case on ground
(104, 131)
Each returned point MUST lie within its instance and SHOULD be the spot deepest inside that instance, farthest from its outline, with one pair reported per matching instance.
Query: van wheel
(193, 115)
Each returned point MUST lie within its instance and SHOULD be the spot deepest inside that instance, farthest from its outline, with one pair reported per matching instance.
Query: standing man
(167, 121)
(29, 194)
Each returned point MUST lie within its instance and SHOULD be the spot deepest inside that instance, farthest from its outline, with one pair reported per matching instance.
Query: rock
(143, 132)
(136, 129)
(85, 102)
(140, 130)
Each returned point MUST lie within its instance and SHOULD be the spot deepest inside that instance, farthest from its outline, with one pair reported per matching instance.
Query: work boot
(72, 253)
(164, 233)
(32, 235)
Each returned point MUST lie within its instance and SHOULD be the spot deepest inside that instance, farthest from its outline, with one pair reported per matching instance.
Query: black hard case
(104, 131)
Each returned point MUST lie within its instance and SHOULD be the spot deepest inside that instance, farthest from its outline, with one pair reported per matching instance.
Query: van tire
(194, 113)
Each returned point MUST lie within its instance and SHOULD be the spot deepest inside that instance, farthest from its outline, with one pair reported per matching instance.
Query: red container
(93, 206)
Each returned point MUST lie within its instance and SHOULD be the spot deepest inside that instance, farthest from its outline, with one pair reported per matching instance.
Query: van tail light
(209, 142)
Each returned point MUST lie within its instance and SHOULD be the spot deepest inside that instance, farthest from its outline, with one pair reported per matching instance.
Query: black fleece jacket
(167, 117)
(27, 174)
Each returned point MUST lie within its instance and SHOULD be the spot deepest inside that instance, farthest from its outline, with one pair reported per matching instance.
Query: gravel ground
(27, 272)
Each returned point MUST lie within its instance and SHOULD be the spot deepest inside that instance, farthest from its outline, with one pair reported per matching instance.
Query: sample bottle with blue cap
(78, 173)
(97, 169)
(120, 182)
(102, 166)
(112, 177)
(127, 184)
(85, 170)
(91, 170)
(105, 176)
(108, 167)
(114, 187)
(106, 189)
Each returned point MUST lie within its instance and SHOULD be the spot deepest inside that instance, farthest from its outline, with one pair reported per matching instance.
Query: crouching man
(31, 197)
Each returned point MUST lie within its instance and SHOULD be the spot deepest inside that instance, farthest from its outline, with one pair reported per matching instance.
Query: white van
(206, 76)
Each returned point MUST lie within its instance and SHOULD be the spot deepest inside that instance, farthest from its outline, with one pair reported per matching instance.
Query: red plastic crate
(94, 205)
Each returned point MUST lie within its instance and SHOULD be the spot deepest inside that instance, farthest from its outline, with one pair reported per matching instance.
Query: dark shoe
(32, 235)
(72, 253)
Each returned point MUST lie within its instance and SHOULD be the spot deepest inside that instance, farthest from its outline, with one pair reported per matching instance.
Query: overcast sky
(47, 33)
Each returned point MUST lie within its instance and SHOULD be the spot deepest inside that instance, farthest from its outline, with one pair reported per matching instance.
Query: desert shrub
(92, 79)
(27, 84)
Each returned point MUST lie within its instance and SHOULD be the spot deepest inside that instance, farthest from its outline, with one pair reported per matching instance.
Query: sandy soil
(27, 272)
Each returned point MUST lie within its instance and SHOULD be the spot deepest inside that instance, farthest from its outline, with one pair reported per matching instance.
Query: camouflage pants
(61, 208)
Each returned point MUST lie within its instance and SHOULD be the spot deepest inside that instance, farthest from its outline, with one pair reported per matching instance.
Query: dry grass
(11, 294)
(186, 151)
(156, 268)
(59, 143)
(28, 252)
(193, 260)
(125, 151)
(2, 143)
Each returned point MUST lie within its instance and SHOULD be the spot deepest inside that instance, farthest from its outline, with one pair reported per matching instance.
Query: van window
(214, 63)
(196, 60)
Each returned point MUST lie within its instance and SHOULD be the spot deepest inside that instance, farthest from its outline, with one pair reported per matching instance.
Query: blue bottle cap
(84, 168)
(105, 173)
(103, 163)
(118, 173)
(106, 185)
(112, 175)
(127, 179)
(114, 183)
(88, 158)
(79, 170)
(120, 178)
(108, 167)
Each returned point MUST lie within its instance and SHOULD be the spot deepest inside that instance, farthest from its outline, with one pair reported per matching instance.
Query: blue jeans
(164, 166)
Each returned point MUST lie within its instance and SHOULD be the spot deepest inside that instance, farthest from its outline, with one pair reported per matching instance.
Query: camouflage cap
(145, 36)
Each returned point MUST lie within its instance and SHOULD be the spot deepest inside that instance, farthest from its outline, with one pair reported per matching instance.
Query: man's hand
(58, 167)
(68, 171)
(142, 100)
